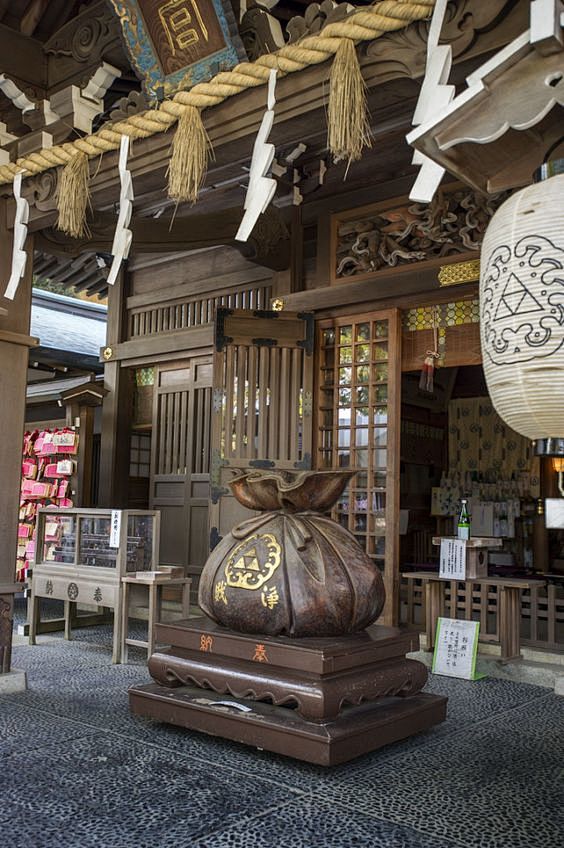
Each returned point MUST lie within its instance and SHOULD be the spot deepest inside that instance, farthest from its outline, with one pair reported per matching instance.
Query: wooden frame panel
(180, 455)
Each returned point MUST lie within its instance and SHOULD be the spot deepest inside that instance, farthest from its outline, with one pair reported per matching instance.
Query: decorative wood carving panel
(87, 37)
(372, 238)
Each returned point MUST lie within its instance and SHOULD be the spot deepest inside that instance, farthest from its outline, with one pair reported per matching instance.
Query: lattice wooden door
(180, 459)
(359, 388)
(262, 402)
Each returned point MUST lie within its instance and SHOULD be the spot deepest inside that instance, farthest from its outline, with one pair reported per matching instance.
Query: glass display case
(83, 554)
(90, 538)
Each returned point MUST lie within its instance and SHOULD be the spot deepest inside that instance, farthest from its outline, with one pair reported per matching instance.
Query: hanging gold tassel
(191, 149)
(348, 125)
(74, 197)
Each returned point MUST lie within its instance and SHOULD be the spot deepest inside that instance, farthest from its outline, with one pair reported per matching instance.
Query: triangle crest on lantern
(516, 300)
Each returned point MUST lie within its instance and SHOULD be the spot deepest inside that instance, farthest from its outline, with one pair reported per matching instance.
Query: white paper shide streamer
(261, 188)
(435, 95)
(122, 236)
(19, 255)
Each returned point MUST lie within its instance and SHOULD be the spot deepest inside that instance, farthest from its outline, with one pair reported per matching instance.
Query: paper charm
(19, 255)
(122, 236)
(435, 94)
(261, 188)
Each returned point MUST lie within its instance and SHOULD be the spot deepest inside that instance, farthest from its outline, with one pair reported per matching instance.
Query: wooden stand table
(509, 607)
(153, 581)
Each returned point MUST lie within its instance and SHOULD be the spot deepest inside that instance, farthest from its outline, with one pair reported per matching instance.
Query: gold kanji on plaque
(260, 654)
(219, 592)
(206, 643)
(174, 44)
(183, 24)
(270, 597)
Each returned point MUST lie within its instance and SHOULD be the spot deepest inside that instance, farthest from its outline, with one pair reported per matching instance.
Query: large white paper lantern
(522, 309)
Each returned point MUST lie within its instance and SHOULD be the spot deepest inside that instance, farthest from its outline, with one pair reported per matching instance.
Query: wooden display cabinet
(79, 560)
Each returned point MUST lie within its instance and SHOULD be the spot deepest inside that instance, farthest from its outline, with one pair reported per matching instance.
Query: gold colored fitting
(457, 273)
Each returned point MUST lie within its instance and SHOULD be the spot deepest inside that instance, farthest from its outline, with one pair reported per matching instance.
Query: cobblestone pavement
(79, 770)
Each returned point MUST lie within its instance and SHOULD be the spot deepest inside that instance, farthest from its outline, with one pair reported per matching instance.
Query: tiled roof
(67, 324)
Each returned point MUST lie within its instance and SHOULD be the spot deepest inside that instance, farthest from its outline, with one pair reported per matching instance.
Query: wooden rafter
(32, 16)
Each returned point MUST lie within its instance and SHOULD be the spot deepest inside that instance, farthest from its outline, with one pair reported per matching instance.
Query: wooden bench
(509, 607)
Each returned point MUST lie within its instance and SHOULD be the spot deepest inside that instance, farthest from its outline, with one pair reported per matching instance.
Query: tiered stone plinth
(321, 700)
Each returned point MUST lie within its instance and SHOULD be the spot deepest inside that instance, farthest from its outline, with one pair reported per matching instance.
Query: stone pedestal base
(321, 700)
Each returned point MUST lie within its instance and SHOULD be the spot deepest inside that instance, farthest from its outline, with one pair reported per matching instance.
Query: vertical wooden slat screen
(263, 370)
(179, 485)
(193, 311)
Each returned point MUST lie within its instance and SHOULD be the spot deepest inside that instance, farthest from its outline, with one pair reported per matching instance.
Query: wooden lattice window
(358, 428)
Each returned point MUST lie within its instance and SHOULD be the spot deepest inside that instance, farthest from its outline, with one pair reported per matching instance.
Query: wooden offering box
(79, 560)
(476, 553)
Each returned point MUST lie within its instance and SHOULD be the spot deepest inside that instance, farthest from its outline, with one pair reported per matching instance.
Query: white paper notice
(455, 648)
(115, 528)
(453, 559)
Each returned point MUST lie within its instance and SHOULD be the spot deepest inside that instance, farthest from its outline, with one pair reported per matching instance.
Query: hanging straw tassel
(74, 197)
(191, 149)
(348, 126)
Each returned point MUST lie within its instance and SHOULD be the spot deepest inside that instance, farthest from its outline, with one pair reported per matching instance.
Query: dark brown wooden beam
(32, 16)
(3, 8)
(268, 245)
(403, 286)
(23, 60)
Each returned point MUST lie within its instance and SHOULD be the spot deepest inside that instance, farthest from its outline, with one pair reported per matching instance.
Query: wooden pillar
(82, 416)
(434, 608)
(509, 622)
(297, 250)
(14, 352)
(117, 407)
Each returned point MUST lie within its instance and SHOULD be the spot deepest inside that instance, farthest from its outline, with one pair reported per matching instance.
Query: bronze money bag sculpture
(291, 570)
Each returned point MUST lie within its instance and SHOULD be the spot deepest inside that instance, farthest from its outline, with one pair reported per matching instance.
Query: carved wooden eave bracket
(494, 134)
(56, 88)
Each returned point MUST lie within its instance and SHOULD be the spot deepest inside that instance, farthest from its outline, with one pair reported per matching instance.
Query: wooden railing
(193, 311)
(542, 610)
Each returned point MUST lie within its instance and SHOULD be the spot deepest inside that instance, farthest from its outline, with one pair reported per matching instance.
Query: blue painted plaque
(174, 44)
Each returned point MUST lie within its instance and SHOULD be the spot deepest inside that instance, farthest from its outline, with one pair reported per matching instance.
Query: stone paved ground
(78, 771)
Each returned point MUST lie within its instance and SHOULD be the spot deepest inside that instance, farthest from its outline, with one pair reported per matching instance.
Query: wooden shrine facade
(324, 393)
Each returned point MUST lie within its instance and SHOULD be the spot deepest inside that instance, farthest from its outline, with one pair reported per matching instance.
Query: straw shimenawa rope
(365, 25)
